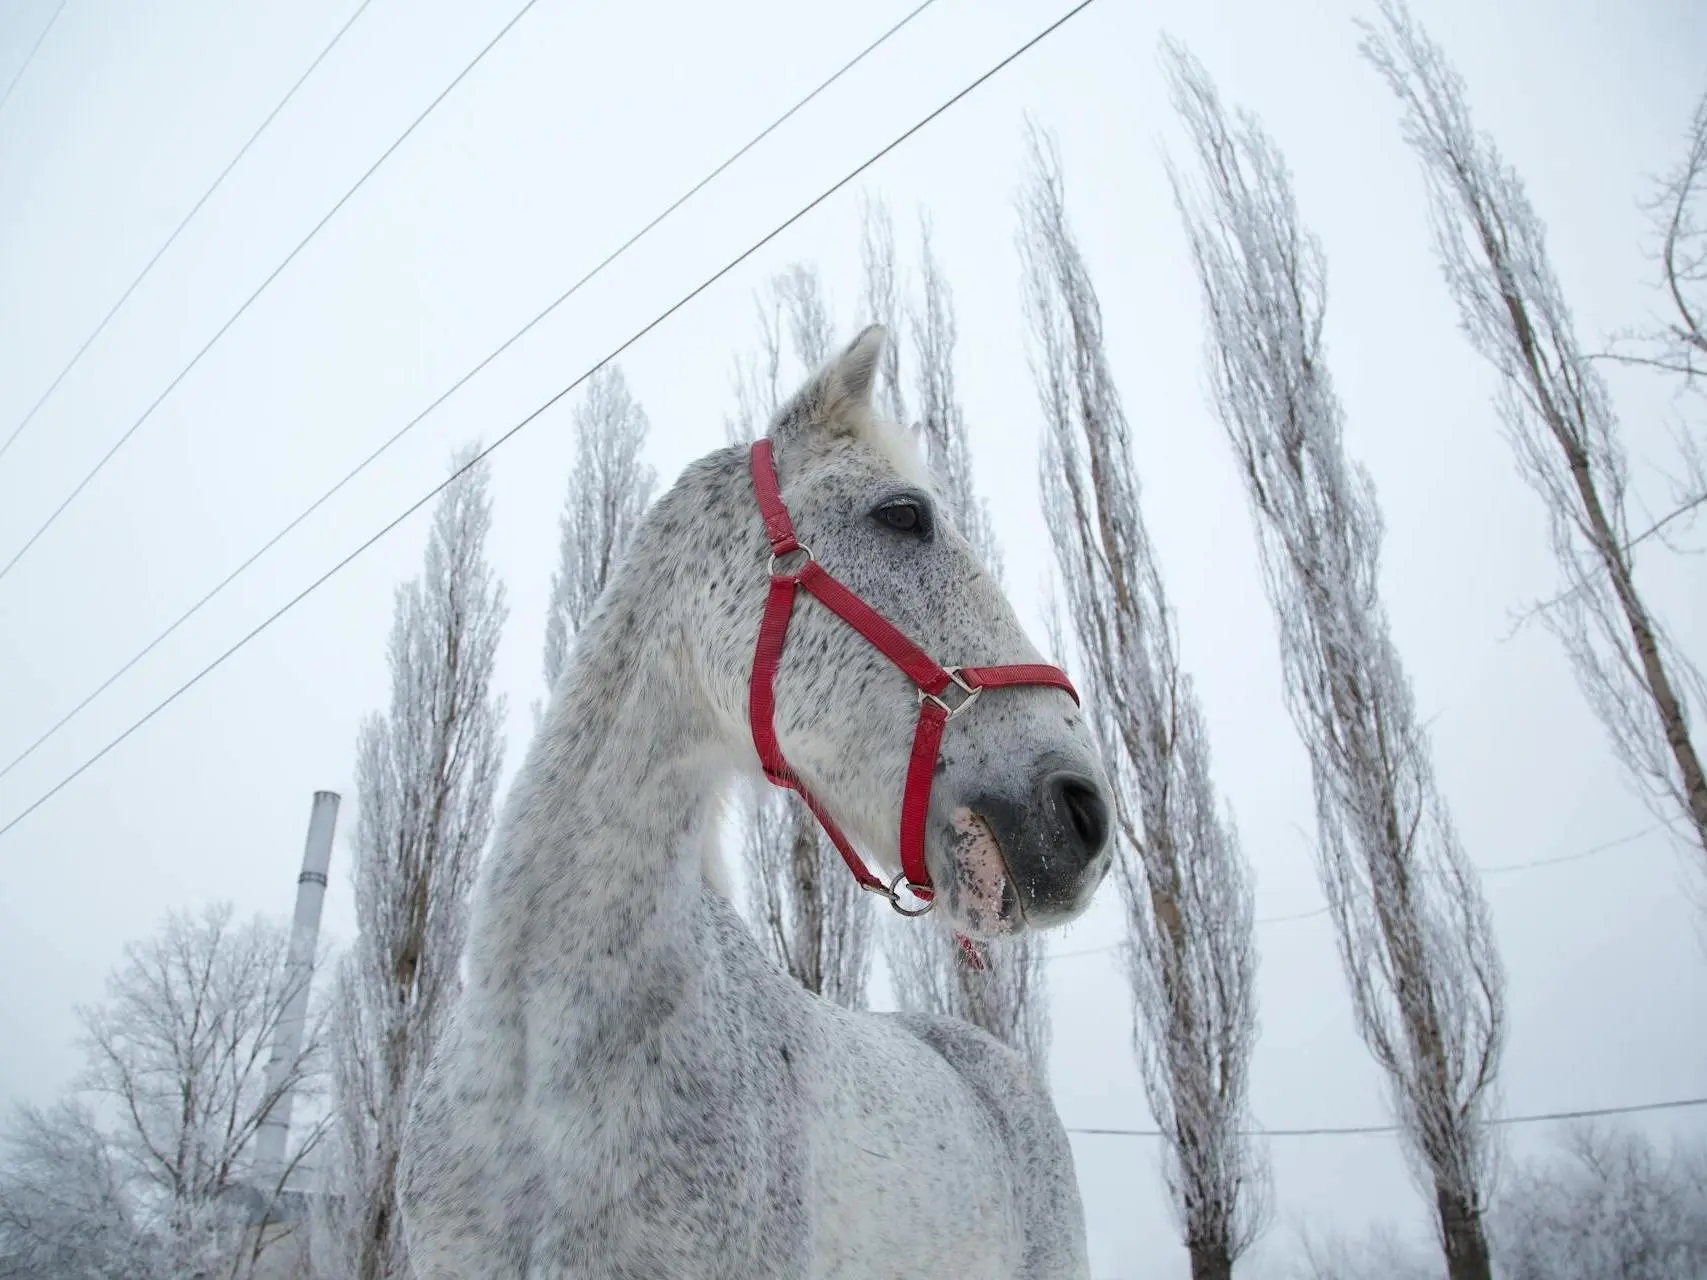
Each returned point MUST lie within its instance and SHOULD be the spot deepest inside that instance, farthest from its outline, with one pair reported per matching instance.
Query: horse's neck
(592, 898)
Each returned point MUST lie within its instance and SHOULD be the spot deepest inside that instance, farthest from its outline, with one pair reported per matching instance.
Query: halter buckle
(891, 892)
(968, 694)
(802, 549)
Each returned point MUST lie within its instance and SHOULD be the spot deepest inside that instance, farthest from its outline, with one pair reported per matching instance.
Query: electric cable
(1345, 1130)
(31, 55)
(454, 387)
(179, 229)
(1501, 869)
(273, 275)
(509, 434)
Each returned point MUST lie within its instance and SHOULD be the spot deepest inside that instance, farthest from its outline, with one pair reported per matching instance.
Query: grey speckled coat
(628, 1087)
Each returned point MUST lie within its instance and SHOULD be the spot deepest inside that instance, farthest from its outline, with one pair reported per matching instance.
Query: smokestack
(273, 1138)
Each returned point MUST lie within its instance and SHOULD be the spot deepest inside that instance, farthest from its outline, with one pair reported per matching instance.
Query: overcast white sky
(583, 123)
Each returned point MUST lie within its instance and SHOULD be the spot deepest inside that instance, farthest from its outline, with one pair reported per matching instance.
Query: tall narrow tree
(1006, 992)
(880, 302)
(427, 774)
(809, 912)
(1186, 887)
(609, 489)
(1559, 417)
(1413, 930)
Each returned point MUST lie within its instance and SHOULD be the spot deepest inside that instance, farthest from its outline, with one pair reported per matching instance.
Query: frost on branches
(1558, 414)
(807, 910)
(1184, 882)
(1413, 930)
(1008, 997)
(427, 774)
(148, 1172)
(609, 490)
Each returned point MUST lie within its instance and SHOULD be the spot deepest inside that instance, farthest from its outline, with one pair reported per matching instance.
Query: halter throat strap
(944, 692)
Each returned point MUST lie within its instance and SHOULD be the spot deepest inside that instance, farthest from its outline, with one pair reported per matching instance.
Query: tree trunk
(808, 898)
(1210, 1261)
(1466, 1240)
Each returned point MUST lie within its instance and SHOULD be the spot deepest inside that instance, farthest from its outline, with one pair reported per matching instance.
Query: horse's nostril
(1084, 811)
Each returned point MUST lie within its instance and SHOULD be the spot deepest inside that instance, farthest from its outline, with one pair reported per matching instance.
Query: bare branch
(427, 772)
(1191, 958)
(1008, 995)
(609, 489)
(1608, 1205)
(1558, 416)
(809, 913)
(158, 1179)
(1414, 935)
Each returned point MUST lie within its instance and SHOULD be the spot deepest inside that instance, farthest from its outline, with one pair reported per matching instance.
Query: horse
(626, 1086)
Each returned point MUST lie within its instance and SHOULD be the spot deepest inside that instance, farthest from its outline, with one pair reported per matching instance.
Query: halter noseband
(944, 692)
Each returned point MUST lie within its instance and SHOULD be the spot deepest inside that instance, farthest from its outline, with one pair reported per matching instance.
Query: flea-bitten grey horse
(628, 1087)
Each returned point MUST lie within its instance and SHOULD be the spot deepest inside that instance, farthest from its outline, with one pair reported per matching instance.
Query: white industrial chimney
(273, 1139)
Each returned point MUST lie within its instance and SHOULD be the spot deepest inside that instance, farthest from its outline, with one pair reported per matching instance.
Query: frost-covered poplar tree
(426, 774)
(1559, 416)
(149, 1173)
(609, 489)
(880, 302)
(1185, 885)
(930, 971)
(809, 912)
(1414, 935)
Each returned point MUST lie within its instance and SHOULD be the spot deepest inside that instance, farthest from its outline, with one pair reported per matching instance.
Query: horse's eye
(902, 515)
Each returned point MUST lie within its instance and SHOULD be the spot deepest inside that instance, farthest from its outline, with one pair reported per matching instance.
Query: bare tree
(1414, 935)
(65, 1208)
(1613, 1207)
(1678, 345)
(1005, 992)
(1559, 418)
(1185, 885)
(427, 771)
(1379, 1254)
(154, 1175)
(609, 489)
(810, 913)
(880, 302)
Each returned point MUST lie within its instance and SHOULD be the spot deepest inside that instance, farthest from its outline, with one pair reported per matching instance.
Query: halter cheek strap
(944, 692)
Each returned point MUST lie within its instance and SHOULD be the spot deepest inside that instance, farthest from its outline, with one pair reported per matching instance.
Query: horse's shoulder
(1016, 1098)
(1001, 1076)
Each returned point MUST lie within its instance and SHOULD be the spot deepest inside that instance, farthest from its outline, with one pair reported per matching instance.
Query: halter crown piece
(944, 692)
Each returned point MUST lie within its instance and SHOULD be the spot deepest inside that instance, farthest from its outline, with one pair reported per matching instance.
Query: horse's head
(1016, 835)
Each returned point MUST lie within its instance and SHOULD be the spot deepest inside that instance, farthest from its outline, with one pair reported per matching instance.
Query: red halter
(936, 686)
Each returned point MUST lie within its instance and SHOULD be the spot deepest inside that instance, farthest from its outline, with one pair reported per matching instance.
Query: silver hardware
(889, 891)
(802, 549)
(969, 694)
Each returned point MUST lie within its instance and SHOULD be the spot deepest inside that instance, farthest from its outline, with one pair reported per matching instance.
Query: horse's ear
(838, 397)
(857, 365)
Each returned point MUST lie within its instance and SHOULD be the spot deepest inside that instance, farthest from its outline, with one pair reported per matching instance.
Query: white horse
(628, 1087)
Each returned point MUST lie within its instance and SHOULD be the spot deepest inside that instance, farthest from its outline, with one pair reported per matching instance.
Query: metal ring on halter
(970, 692)
(803, 549)
(895, 898)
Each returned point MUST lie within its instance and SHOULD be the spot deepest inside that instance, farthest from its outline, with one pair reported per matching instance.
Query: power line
(273, 275)
(31, 55)
(1595, 851)
(1346, 1130)
(1501, 869)
(404, 430)
(635, 337)
(179, 230)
